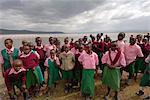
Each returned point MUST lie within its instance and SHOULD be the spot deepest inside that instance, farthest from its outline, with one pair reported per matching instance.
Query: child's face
(8, 44)
(120, 37)
(66, 41)
(26, 49)
(88, 49)
(38, 41)
(113, 46)
(66, 48)
(17, 66)
(52, 53)
(51, 41)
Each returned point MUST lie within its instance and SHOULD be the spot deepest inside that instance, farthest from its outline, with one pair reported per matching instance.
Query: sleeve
(105, 58)
(139, 52)
(37, 54)
(96, 59)
(122, 60)
(1, 59)
(46, 62)
(80, 59)
(57, 61)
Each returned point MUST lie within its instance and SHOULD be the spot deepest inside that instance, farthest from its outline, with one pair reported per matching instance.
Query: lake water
(17, 38)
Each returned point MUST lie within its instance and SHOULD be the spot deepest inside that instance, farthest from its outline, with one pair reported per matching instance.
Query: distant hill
(5, 31)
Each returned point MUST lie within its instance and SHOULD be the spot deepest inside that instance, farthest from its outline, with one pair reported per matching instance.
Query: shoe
(147, 98)
(140, 93)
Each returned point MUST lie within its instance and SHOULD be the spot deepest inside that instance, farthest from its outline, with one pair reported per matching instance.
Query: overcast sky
(75, 15)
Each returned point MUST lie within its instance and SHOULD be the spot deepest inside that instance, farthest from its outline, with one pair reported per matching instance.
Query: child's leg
(11, 94)
(116, 95)
(108, 91)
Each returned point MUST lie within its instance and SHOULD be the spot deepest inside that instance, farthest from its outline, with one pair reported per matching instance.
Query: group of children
(34, 66)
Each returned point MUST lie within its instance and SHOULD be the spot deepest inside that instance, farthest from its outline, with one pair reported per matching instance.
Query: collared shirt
(106, 59)
(89, 61)
(68, 60)
(131, 52)
(121, 45)
(12, 71)
(48, 48)
(49, 58)
(8, 51)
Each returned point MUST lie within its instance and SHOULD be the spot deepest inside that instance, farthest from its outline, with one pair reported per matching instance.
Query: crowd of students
(32, 67)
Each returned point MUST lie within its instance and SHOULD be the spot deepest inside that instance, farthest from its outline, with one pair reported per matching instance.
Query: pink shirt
(131, 52)
(121, 45)
(12, 71)
(49, 58)
(74, 51)
(48, 48)
(89, 61)
(121, 61)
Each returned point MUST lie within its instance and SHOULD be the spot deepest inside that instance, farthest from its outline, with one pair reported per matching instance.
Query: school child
(113, 60)
(98, 48)
(16, 76)
(8, 55)
(24, 42)
(40, 50)
(131, 52)
(89, 60)
(52, 64)
(78, 66)
(67, 59)
(120, 41)
(107, 44)
(66, 43)
(145, 80)
(84, 40)
(71, 44)
(50, 46)
(34, 77)
(140, 63)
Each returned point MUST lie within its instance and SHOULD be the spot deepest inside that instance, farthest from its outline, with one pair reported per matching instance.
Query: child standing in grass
(113, 60)
(16, 76)
(52, 67)
(8, 55)
(89, 60)
(34, 77)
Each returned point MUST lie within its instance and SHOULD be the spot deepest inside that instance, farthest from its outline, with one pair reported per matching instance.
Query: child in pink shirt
(131, 52)
(120, 41)
(89, 60)
(50, 46)
(113, 60)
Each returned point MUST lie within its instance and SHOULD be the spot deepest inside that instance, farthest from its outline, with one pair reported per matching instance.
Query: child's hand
(23, 86)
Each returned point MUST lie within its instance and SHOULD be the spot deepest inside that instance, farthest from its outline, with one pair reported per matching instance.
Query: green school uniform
(53, 73)
(5, 56)
(87, 82)
(111, 78)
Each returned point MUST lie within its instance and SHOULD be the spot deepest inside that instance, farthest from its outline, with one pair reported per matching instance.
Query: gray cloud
(75, 15)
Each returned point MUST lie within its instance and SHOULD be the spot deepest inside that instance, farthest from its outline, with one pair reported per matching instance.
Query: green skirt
(145, 80)
(111, 78)
(130, 68)
(66, 75)
(53, 74)
(87, 82)
(139, 65)
(39, 74)
(31, 78)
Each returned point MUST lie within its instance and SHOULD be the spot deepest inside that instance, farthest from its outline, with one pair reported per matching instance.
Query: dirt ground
(126, 92)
